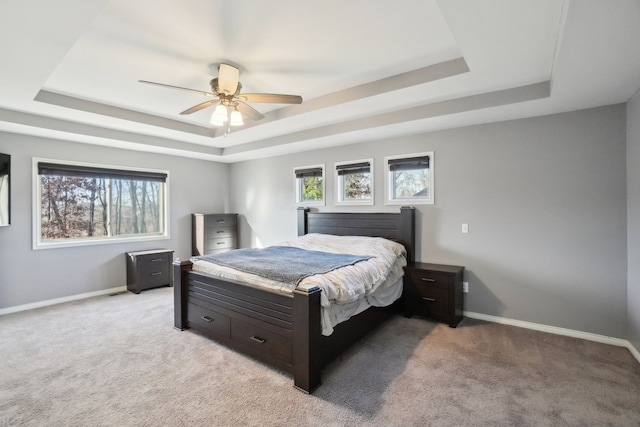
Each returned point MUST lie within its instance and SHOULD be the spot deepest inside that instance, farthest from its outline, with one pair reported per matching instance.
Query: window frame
(298, 187)
(389, 187)
(339, 182)
(38, 243)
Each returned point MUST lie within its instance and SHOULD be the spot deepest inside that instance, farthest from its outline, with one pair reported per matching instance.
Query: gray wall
(633, 220)
(545, 200)
(28, 276)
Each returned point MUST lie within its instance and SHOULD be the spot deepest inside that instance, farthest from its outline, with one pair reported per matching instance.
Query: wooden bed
(284, 330)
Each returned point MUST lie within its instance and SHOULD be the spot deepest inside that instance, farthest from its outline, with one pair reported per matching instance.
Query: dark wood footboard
(279, 329)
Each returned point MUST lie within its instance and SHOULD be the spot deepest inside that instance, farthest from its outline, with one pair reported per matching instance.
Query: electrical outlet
(465, 228)
(465, 287)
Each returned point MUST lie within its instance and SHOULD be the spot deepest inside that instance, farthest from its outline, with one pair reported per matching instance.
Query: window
(354, 183)
(410, 179)
(309, 185)
(80, 204)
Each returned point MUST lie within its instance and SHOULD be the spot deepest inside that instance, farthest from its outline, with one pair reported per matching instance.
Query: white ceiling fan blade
(248, 111)
(201, 92)
(228, 76)
(272, 98)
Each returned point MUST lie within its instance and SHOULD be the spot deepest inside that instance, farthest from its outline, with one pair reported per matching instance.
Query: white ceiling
(367, 69)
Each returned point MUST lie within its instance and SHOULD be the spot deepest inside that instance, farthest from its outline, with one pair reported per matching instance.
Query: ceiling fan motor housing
(216, 88)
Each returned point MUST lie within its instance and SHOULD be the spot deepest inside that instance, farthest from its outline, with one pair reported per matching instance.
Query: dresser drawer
(217, 244)
(213, 220)
(211, 321)
(261, 340)
(219, 232)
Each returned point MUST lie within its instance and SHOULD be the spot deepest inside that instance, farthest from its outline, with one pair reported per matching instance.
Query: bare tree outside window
(354, 184)
(410, 179)
(100, 205)
(357, 186)
(411, 183)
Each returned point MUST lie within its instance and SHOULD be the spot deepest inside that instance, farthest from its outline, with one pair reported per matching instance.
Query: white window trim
(38, 244)
(410, 201)
(338, 182)
(297, 189)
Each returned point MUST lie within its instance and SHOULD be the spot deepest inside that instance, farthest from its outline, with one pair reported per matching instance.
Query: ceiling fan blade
(228, 76)
(248, 111)
(272, 98)
(201, 92)
(200, 106)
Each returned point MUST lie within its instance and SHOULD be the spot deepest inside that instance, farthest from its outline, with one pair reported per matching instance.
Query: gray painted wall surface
(633, 219)
(28, 276)
(545, 200)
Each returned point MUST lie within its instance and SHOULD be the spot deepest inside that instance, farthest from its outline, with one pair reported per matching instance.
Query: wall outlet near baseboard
(465, 287)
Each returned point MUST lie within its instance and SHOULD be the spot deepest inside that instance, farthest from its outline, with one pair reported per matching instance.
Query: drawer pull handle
(258, 339)
(157, 273)
(220, 231)
(429, 299)
(221, 221)
(426, 279)
(156, 260)
(207, 319)
(220, 243)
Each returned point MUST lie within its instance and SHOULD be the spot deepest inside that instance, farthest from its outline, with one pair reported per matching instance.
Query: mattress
(346, 291)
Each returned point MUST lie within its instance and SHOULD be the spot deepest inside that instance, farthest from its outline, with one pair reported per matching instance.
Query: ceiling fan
(231, 104)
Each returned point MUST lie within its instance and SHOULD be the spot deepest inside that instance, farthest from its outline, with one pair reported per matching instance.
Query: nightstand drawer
(431, 299)
(432, 279)
(154, 269)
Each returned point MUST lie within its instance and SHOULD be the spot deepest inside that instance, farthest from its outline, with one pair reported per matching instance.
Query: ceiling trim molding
(412, 78)
(91, 133)
(459, 105)
(61, 100)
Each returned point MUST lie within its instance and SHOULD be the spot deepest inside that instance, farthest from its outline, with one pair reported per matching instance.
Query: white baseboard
(54, 301)
(634, 351)
(619, 342)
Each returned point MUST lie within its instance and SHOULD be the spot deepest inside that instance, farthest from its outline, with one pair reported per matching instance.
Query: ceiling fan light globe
(220, 114)
(236, 118)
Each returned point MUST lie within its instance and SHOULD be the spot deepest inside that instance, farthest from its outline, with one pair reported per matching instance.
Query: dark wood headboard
(399, 227)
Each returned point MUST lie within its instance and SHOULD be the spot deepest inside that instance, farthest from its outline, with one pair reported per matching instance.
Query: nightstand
(149, 269)
(434, 290)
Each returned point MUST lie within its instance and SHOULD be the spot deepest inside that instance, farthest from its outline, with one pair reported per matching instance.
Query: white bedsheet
(345, 291)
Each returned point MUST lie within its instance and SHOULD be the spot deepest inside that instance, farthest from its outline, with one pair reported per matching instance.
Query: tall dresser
(213, 233)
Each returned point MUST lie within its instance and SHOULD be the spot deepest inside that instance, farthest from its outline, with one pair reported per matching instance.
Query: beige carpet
(117, 361)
